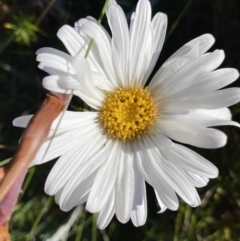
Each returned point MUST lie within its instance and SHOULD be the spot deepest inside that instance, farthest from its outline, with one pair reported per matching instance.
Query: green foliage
(23, 29)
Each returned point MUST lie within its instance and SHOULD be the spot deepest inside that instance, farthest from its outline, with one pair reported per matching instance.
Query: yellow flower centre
(128, 113)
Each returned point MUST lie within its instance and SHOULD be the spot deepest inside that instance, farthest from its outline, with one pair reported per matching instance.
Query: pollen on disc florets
(128, 113)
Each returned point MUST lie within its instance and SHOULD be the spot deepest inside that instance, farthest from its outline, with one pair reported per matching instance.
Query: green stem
(175, 24)
(28, 180)
(40, 215)
(44, 12)
(94, 227)
(81, 226)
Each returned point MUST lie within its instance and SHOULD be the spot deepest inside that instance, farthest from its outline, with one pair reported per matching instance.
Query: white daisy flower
(107, 155)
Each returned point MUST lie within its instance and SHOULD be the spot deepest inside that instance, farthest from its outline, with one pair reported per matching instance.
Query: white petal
(187, 74)
(159, 26)
(73, 119)
(209, 82)
(101, 82)
(124, 186)
(71, 39)
(86, 167)
(53, 83)
(173, 175)
(202, 119)
(58, 195)
(57, 63)
(148, 171)
(140, 26)
(78, 196)
(70, 83)
(222, 113)
(104, 182)
(139, 210)
(120, 41)
(215, 100)
(84, 75)
(196, 180)
(190, 161)
(68, 163)
(192, 134)
(106, 213)
(22, 121)
(52, 51)
(102, 41)
(204, 42)
(162, 206)
(62, 143)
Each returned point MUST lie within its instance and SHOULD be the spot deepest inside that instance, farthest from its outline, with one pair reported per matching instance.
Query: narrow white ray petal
(52, 51)
(62, 143)
(222, 113)
(215, 100)
(144, 60)
(139, 210)
(53, 83)
(51, 70)
(204, 42)
(70, 83)
(189, 73)
(59, 64)
(196, 180)
(92, 102)
(182, 58)
(161, 205)
(22, 121)
(73, 119)
(160, 140)
(87, 167)
(101, 82)
(172, 174)
(104, 182)
(209, 82)
(152, 176)
(73, 42)
(190, 161)
(159, 26)
(140, 26)
(93, 56)
(120, 41)
(124, 186)
(106, 213)
(201, 119)
(83, 198)
(102, 41)
(58, 195)
(84, 75)
(79, 195)
(192, 134)
(69, 163)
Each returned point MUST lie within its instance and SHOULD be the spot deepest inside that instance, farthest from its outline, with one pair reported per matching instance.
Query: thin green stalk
(94, 227)
(175, 24)
(44, 12)
(40, 215)
(28, 180)
(81, 226)
(99, 22)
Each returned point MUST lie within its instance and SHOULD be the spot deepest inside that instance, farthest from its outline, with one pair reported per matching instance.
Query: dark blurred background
(29, 25)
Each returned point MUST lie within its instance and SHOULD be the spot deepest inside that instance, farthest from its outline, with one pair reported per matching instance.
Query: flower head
(107, 155)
